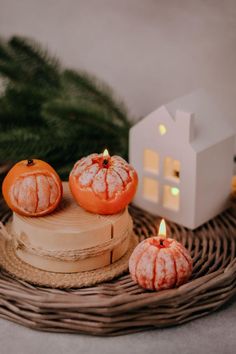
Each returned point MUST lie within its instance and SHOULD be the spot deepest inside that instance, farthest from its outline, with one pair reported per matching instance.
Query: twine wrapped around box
(47, 250)
(120, 306)
(18, 268)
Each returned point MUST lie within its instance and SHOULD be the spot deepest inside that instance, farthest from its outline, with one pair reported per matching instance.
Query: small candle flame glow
(162, 228)
(105, 153)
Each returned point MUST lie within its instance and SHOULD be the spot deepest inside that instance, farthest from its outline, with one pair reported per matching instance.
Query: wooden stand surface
(71, 239)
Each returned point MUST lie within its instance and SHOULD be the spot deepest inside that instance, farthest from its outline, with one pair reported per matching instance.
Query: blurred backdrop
(149, 51)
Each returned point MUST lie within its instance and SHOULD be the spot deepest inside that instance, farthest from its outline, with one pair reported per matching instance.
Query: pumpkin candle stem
(30, 162)
(106, 157)
(105, 162)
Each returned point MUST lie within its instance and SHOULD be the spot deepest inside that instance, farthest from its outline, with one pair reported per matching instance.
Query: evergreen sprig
(55, 114)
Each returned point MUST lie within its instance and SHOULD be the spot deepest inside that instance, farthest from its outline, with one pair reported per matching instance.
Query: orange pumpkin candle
(103, 184)
(32, 188)
(160, 263)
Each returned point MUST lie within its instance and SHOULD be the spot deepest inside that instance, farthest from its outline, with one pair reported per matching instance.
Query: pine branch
(21, 143)
(22, 59)
(54, 114)
(71, 113)
(21, 106)
(82, 118)
(4, 51)
(95, 90)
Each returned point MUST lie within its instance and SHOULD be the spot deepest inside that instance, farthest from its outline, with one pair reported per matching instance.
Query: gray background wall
(149, 51)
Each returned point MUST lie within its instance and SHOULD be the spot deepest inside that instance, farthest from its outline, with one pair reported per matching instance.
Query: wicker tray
(120, 306)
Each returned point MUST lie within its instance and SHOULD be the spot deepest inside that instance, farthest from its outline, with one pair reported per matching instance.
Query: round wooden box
(71, 239)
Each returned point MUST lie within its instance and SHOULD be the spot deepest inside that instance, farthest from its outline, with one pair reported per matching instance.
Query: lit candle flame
(162, 229)
(105, 153)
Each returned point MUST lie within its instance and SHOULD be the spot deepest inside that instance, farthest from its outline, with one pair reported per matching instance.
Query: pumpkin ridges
(101, 196)
(175, 268)
(52, 179)
(181, 268)
(21, 178)
(138, 272)
(119, 176)
(175, 256)
(43, 193)
(171, 278)
(114, 184)
(122, 165)
(86, 170)
(156, 265)
(154, 270)
(123, 182)
(99, 183)
(82, 164)
(147, 275)
(106, 184)
(23, 194)
(142, 253)
(52, 191)
(144, 278)
(185, 255)
(36, 177)
(160, 270)
(30, 193)
(36, 196)
(15, 189)
(127, 170)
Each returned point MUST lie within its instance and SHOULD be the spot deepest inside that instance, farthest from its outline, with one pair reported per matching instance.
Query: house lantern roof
(202, 117)
(197, 115)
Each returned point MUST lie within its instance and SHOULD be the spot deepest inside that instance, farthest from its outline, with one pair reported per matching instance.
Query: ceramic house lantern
(183, 153)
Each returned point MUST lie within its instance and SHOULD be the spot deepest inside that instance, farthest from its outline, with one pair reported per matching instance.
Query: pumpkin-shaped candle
(32, 188)
(160, 263)
(103, 184)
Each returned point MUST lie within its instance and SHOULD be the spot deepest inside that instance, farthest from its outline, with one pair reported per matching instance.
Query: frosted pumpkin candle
(160, 263)
(103, 184)
(32, 188)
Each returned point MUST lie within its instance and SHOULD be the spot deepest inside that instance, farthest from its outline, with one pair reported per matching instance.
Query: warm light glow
(150, 189)
(151, 161)
(105, 153)
(171, 198)
(175, 191)
(172, 169)
(162, 228)
(162, 129)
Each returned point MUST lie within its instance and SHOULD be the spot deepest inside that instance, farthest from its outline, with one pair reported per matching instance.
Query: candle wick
(30, 162)
(162, 242)
(105, 162)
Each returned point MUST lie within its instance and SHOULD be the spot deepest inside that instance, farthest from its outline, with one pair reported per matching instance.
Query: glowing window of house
(162, 129)
(171, 198)
(172, 169)
(151, 161)
(150, 189)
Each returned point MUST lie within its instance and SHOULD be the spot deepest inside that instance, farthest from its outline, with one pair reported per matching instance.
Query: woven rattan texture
(120, 306)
